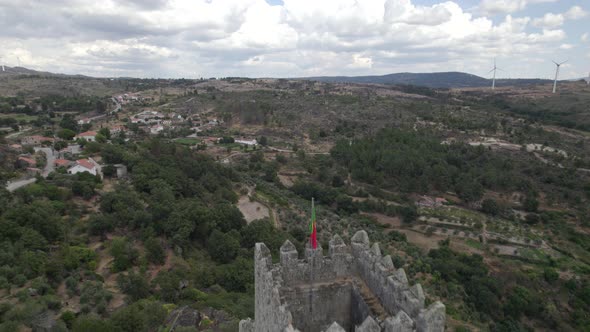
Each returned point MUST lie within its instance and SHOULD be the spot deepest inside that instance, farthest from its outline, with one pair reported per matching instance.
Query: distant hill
(431, 80)
(19, 71)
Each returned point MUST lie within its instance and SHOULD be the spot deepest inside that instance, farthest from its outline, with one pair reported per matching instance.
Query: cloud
(585, 37)
(359, 61)
(192, 38)
(549, 21)
(576, 13)
(492, 7)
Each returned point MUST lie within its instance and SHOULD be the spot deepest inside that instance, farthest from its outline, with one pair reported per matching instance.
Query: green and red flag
(313, 237)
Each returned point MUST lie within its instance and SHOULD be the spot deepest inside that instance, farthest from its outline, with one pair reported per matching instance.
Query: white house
(156, 129)
(90, 136)
(247, 142)
(117, 129)
(83, 165)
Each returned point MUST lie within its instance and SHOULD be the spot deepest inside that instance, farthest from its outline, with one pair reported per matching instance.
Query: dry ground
(252, 210)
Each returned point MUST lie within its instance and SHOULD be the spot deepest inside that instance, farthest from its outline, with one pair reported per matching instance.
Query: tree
(409, 213)
(100, 138)
(92, 323)
(106, 132)
(154, 252)
(222, 246)
(530, 204)
(59, 145)
(66, 134)
(134, 285)
(490, 206)
(123, 253)
(68, 122)
(263, 141)
(550, 275)
(469, 190)
(129, 319)
(100, 107)
(109, 171)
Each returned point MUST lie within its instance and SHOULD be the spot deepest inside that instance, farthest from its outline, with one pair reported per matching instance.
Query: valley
(155, 192)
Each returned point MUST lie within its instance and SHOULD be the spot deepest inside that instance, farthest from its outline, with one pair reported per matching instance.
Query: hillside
(430, 80)
(481, 196)
(16, 71)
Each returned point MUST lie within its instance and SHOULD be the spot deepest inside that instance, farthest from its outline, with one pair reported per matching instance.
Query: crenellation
(369, 325)
(289, 253)
(354, 287)
(400, 275)
(388, 263)
(337, 246)
(376, 250)
(335, 328)
(400, 323)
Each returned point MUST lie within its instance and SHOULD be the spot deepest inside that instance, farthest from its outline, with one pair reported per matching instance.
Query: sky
(296, 38)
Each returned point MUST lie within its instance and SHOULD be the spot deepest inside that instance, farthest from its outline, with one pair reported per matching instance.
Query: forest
(176, 200)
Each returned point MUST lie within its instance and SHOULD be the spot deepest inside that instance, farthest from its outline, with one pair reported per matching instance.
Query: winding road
(14, 185)
(50, 160)
(49, 167)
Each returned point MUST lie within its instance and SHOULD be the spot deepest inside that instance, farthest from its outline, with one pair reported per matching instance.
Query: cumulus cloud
(576, 13)
(549, 21)
(192, 38)
(506, 6)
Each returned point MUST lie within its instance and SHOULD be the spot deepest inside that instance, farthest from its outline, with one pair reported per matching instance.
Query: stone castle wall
(320, 293)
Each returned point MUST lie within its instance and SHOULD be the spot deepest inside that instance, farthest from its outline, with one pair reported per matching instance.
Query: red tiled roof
(85, 163)
(87, 133)
(62, 162)
(28, 160)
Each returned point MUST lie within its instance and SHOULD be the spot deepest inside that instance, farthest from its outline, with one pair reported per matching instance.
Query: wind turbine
(2, 64)
(494, 77)
(18, 59)
(557, 73)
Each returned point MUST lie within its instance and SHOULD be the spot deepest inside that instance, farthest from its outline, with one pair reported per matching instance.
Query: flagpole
(311, 262)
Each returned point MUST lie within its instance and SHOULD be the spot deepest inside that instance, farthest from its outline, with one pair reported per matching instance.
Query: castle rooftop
(354, 288)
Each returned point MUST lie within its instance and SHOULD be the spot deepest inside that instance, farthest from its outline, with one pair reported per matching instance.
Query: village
(41, 154)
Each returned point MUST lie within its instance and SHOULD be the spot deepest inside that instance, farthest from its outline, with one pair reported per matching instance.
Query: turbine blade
(491, 70)
(564, 61)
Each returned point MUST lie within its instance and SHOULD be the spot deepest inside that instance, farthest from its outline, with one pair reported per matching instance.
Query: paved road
(14, 185)
(49, 167)
(50, 159)
(117, 107)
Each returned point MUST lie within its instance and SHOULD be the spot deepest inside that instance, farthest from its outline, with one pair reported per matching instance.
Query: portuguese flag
(313, 239)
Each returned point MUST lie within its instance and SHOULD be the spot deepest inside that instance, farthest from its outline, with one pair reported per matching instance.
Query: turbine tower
(494, 77)
(18, 59)
(556, 73)
(2, 64)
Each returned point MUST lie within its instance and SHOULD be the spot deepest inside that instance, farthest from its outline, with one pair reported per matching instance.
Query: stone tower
(353, 289)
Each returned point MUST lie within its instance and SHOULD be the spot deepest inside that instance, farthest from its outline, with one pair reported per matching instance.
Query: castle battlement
(353, 288)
